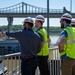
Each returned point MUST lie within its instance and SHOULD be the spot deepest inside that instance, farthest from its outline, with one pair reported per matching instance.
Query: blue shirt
(29, 41)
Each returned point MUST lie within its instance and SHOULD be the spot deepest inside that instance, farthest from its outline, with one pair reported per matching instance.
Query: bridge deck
(23, 10)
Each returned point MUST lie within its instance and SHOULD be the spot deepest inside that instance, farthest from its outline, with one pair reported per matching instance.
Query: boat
(9, 46)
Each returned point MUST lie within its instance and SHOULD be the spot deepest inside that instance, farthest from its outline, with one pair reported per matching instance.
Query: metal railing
(12, 62)
(54, 61)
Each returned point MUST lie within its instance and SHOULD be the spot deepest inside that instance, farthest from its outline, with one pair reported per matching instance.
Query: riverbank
(54, 34)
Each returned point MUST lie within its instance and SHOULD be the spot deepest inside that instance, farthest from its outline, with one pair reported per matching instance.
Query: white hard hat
(28, 19)
(73, 22)
(40, 18)
(66, 16)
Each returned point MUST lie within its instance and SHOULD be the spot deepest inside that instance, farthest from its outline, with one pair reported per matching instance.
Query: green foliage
(14, 27)
(17, 27)
(20, 27)
(54, 29)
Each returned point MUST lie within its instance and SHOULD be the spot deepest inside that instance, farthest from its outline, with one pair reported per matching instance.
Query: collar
(68, 25)
(29, 29)
(39, 28)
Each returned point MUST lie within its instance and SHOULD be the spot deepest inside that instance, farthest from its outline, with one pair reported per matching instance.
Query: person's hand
(2, 34)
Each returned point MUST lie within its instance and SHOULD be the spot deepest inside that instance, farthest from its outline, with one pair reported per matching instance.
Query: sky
(53, 4)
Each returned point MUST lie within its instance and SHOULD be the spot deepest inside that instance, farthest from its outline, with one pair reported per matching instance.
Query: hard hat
(73, 22)
(28, 19)
(40, 18)
(66, 16)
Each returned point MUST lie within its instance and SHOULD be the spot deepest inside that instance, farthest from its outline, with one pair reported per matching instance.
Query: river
(54, 39)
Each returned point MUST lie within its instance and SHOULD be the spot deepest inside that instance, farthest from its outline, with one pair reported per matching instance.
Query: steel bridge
(22, 10)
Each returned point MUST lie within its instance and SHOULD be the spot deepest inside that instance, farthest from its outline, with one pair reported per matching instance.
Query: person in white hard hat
(66, 44)
(43, 54)
(73, 23)
(30, 46)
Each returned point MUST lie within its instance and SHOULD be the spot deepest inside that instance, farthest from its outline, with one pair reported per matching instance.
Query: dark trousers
(28, 66)
(43, 65)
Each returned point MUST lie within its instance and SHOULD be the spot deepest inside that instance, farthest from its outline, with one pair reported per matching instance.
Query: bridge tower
(10, 21)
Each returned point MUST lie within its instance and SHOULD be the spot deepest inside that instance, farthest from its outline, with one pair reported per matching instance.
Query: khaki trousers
(68, 66)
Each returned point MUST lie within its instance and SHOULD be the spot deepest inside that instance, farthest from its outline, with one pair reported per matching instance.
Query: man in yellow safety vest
(66, 44)
(43, 54)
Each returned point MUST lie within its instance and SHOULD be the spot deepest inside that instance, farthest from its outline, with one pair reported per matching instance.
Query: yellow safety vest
(44, 51)
(69, 47)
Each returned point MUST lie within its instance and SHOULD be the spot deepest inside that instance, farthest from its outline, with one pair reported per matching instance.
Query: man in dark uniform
(30, 46)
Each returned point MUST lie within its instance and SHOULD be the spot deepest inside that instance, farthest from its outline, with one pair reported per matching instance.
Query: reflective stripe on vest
(69, 47)
(44, 51)
(71, 41)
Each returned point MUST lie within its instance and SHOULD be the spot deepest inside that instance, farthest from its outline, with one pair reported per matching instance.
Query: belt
(27, 57)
